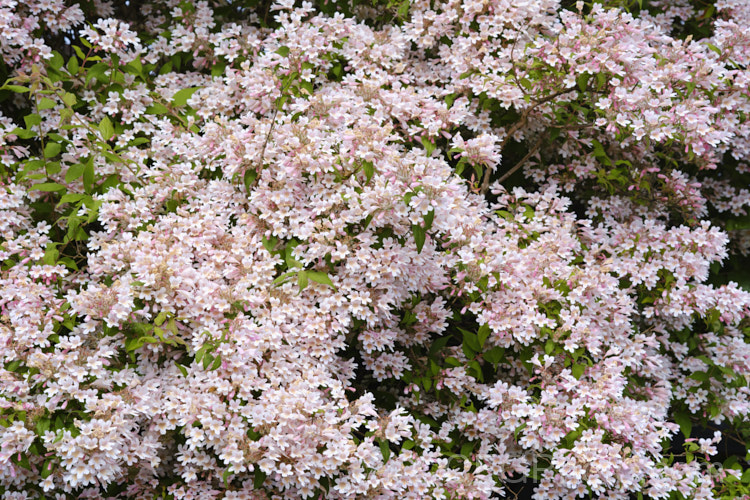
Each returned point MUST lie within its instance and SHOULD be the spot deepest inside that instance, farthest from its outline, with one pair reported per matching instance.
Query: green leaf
(291, 262)
(69, 99)
(468, 448)
(428, 219)
(46, 103)
(683, 420)
(23, 133)
(483, 333)
(32, 120)
(259, 479)
(518, 430)
(157, 108)
(51, 255)
(88, 175)
(385, 449)
(74, 172)
(160, 335)
(601, 80)
(182, 369)
(217, 363)
(106, 128)
(283, 51)
(52, 168)
(403, 9)
(16, 88)
(471, 340)
(79, 52)
(96, 71)
(577, 370)
(732, 462)
(134, 67)
(714, 411)
(73, 65)
(56, 61)
(138, 141)
(48, 187)
(369, 169)
(302, 280)
(200, 352)
(549, 346)
(181, 96)
(438, 345)
(738, 223)
(429, 146)
(52, 149)
(14, 365)
(218, 69)
(281, 101)
(42, 426)
(133, 344)
(249, 178)
(450, 360)
(582, 81)
(320, 277)
(474, 369)
(494, 355)
(166, 68)
(420, 235)
(598, 149)
(468, 351)
(47, 468)
(161, 318)
(269, 244)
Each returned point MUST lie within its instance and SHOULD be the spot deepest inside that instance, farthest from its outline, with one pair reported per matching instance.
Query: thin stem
(89, 128)
(284, 88)
(515, 128)
(268, 137)
(518, 165)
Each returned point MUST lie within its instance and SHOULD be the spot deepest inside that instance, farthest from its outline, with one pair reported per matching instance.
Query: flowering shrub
(374, 249)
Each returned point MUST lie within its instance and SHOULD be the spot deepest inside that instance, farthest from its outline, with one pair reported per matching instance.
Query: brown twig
(516, 127)
(268, 138)
(518, 165)
(486, 177)
(284, 88)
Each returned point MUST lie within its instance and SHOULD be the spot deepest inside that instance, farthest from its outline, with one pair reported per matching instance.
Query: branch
(268, 137)
(518, 165)
(515, 128)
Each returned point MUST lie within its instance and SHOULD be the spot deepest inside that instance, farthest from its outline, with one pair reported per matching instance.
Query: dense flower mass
(374, 249)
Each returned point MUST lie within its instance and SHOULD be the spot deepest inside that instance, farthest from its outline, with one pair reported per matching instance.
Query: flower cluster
(21, 24)
(245, 258)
